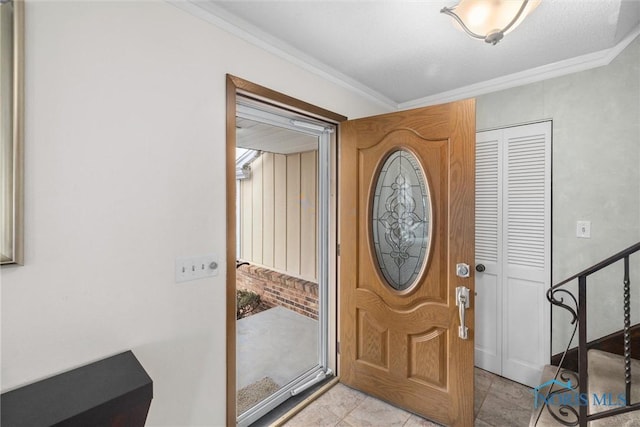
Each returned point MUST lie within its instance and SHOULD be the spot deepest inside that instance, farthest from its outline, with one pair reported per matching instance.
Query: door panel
(522, 348)
(403, 345)
(488, 342)
(527, 248)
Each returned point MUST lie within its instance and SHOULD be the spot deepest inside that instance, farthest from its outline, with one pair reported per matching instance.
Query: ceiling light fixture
(490, 20)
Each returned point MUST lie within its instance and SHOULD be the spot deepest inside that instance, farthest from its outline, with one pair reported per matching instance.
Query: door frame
(236, 86)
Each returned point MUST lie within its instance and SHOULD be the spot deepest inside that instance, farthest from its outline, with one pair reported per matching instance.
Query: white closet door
(527, 248)
(513, 243)
(488, 307)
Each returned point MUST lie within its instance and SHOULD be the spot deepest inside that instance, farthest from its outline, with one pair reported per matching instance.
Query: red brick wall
(276, 288)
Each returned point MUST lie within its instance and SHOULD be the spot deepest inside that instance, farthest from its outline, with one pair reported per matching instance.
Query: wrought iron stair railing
(578, 309)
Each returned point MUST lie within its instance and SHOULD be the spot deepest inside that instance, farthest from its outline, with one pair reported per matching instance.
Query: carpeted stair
(606, 376)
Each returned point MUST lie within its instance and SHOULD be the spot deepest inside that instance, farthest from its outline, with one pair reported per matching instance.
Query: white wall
(125, 134)
(596, 153)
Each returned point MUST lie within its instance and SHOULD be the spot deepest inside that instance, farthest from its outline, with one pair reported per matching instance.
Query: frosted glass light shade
(490, 20)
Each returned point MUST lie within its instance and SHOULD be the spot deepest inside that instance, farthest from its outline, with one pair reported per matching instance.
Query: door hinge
(338, 249)
(338, 347)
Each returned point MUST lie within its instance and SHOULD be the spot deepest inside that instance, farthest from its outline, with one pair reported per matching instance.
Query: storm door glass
(282, 164)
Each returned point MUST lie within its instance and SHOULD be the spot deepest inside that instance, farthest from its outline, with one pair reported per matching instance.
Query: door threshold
(291, 407)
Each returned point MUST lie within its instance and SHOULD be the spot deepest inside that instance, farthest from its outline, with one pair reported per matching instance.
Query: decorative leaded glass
(401, 219)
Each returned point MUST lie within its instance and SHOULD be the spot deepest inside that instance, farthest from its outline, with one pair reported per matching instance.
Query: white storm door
(488, 343)
(513, 246)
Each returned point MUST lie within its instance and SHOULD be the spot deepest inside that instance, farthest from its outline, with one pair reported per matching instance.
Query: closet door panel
(526, 243)
(488, 338)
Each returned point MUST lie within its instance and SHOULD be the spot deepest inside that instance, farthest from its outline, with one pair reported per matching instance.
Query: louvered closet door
(488, 344)
(527, 248)
(513, 242)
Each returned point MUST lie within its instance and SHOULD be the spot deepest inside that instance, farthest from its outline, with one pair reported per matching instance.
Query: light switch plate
(196, 267)
(583, 229)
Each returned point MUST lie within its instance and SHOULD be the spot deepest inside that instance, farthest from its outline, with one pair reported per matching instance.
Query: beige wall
(278, 221)
(596, 153)
(125, 143)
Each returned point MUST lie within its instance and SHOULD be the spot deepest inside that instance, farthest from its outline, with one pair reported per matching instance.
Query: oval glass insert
(401, 219)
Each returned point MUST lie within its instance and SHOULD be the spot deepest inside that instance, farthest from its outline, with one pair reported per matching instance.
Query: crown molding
(230, 23)
(250, 33)
(533, 75)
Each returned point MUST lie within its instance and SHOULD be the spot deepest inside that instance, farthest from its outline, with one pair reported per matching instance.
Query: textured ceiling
(402, 51)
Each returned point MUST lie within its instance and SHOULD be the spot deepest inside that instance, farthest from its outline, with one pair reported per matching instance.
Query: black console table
(115, 391)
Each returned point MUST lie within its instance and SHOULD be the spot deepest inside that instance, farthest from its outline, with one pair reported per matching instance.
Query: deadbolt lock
(462, 270)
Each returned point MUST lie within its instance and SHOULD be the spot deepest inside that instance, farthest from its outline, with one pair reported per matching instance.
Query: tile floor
(498, 402)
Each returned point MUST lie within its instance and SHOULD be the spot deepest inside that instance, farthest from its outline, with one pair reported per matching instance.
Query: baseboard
(612, 343)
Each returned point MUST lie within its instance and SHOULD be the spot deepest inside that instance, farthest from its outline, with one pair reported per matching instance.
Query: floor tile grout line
(480, 407)
(366, 396)
(499, 393)
(353, 409)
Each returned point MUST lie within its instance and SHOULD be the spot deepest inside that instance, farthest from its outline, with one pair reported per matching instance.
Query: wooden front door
(406, 220)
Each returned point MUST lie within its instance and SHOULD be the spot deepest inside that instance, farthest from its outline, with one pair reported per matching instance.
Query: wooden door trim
(279, 99)
(236, 86)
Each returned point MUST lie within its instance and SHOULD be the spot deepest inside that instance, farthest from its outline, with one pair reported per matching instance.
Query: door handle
(462, 301)
(480, 268)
